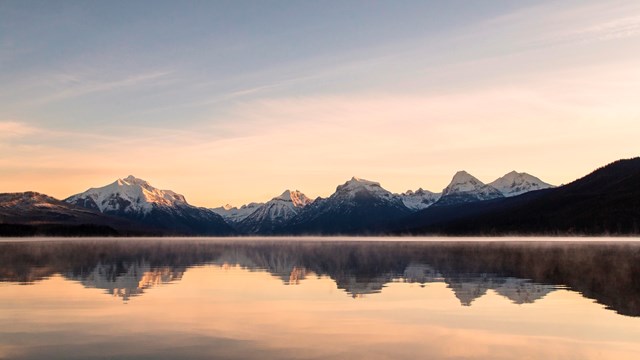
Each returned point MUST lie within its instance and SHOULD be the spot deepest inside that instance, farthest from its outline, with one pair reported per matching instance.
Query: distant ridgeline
(605, 202)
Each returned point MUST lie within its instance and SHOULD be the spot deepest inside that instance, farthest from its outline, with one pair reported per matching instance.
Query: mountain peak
(464, 187)
(355, 186)
(134, 180)
(357, 180)
(360, 180)
(296, 197)
(514, 174)
(463, 176)
(277, 211)
(462, 181)
(515, 183)
(357, 183)
(286, 195)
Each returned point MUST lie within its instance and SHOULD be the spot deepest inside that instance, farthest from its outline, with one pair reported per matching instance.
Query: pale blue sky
(205, 97)
(89, 63)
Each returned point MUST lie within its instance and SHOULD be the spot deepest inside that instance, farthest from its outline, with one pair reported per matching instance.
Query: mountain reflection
(126, 279)
(522, 272)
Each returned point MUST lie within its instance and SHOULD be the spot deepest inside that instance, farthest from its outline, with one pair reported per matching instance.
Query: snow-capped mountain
(357, 206)
(465, 188)
(136, 199)
(419, 199)
(128, 195)
(276, 212)
(233, 214)
(515, 183)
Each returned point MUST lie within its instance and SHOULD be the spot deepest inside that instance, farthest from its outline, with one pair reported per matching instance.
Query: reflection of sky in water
(281, 302)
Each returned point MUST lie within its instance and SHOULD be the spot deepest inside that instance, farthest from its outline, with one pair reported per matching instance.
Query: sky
(236, 101)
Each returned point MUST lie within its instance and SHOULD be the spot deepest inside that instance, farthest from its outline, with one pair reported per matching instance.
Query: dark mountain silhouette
(605, 202)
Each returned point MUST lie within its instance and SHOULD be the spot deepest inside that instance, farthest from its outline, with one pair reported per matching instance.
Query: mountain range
(606, 201)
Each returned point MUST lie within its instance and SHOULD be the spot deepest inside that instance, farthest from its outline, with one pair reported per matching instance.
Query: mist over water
(281, 298)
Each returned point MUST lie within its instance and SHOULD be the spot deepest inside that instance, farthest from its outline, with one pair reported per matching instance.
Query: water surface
(280, 299)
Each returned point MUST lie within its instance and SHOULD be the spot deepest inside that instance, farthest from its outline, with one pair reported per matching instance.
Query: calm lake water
(314, 299)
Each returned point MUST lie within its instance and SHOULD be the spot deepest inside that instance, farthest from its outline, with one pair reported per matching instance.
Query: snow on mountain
(235, 215)
(463, 182)
(136, 199)
(350, 189)
(275, 212)
(357, 205)
(419, 199)
(297, 198)
(465, 188)
(515, 183)
(131, 195)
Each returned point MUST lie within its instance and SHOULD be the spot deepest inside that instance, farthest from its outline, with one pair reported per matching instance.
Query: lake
(319, 298)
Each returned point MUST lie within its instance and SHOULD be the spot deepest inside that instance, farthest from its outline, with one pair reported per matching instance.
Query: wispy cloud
(40, 89)
(73, 85)
(15, 129)
(554, 24)
(614, 29)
